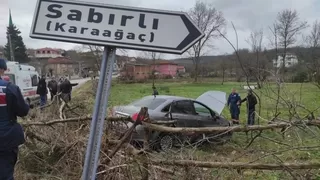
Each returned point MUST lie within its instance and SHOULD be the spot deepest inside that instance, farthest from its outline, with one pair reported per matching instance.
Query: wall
(138, 72)
(61, 69)
(166, 69)
(142, 72)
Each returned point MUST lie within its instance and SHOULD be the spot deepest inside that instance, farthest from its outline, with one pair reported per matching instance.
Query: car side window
(201, 110)
(182, 107)
(166, 108)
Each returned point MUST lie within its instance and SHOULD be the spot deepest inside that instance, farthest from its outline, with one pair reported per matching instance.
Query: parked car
(205, 111)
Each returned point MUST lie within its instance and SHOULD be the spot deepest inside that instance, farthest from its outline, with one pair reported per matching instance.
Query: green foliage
(18, 46)
(164, 89)
(300, 77)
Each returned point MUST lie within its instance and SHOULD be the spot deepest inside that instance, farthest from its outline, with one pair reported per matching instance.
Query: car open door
(215, 100)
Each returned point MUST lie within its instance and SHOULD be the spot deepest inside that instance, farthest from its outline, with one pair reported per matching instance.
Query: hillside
(299, 51)
(204, 60)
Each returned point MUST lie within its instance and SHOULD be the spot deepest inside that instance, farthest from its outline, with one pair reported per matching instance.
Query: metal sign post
(99, 114)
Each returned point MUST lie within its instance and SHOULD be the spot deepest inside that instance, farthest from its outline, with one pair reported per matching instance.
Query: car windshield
(149, 102)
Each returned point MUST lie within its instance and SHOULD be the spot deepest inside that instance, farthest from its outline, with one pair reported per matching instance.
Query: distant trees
(312, 56)
(258, 65)
(209, 20)
(286, 28)
(154, 56)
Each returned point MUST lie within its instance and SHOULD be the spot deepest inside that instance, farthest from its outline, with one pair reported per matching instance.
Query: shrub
(165, 89)
(300, 77)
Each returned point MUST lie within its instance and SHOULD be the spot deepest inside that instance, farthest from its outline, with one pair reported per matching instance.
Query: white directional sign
(118, 26)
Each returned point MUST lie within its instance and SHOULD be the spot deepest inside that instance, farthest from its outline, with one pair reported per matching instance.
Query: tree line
(257, 60)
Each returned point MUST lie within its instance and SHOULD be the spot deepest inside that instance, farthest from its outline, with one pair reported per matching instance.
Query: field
(297, 145)
(295, 94)
(292, 96)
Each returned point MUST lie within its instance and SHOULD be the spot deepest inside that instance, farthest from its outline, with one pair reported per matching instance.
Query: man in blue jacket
(233, 104)
(12, 105)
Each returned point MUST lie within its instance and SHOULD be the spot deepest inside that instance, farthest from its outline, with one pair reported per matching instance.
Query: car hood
(216, 100)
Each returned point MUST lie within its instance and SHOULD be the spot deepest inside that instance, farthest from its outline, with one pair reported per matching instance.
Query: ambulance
(26, 77)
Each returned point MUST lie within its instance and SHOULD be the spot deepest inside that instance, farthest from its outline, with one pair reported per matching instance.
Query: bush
(165, 89)
(168, 77)
(300, 77)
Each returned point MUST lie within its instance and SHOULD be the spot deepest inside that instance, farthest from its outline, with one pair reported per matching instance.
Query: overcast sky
(247, 15)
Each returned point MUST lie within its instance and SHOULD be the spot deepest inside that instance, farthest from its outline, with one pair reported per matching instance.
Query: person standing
(66, 88)
(53, 88)
(233, 104)
(42, 91)
(154, 91)
(12, 104)
(251, 106)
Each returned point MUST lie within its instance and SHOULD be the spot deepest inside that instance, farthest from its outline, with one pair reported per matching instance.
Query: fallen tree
(230, 128)
(120, 150)
(155, 125)
(237, 165)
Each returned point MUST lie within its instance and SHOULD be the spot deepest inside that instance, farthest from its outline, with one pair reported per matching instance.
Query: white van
(26, 77)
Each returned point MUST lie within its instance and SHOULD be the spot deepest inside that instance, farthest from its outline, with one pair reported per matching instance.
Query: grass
(305, 94)
(292, 95)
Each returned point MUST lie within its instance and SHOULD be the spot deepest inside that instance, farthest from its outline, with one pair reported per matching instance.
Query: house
(165, 68)
(181, 69)
(290, 60)
(122, 60)
(48, 53)
(136, 71)
(61, 66)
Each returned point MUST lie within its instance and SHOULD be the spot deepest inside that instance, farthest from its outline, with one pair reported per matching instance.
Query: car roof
(168, 97)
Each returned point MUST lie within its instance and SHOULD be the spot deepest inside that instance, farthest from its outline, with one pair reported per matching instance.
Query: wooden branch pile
(236, 165)
(114, 146)
(159, 125)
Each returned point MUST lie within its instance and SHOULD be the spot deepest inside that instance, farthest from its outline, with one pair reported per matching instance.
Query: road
(79, 81)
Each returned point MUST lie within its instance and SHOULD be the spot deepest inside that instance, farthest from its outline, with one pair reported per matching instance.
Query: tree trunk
(223, 73)
(196, 71)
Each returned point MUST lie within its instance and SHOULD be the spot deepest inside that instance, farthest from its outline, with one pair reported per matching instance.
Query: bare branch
(209, 21)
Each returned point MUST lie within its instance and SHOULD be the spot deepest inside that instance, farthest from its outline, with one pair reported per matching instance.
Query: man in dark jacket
(12, 104)
(251, 106)
(42, 91)
(233, 104)
(65, 88)
(53, 88)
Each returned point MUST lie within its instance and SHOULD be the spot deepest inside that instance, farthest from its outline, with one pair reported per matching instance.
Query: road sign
(117, 26)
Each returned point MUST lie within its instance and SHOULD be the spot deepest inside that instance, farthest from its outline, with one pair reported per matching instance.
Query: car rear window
(149, 102)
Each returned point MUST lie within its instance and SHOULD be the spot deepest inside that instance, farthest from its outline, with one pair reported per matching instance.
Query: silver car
(205, 111)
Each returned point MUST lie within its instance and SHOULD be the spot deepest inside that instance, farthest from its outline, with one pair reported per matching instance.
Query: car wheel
(166, 142)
